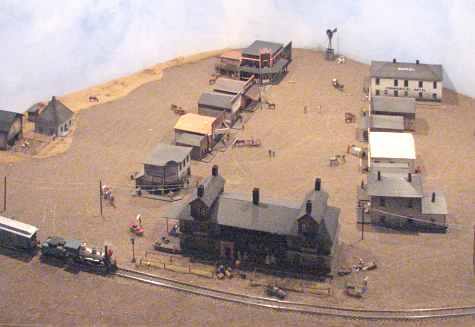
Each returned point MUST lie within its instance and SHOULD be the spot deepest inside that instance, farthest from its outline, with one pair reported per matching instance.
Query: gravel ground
(60, 195)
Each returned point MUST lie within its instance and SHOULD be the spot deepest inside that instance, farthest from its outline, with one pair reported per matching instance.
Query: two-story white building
(400, 79)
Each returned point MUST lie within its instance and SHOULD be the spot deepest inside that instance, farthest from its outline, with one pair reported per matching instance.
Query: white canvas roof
(392, 145)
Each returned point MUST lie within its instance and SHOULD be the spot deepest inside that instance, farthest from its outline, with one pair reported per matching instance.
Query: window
(396, 82)
(203, 212)
(410, 204)
(377, 81)
(406, 83)
(420, 94)
(377, 92)
(382, 219)
(434, 96)
(421, 84)
(382, 202)
(396, 93)
(385, 92)
(435, 85)
(406, 93)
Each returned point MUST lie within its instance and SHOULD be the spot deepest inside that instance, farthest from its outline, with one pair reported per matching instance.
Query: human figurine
(139, 219)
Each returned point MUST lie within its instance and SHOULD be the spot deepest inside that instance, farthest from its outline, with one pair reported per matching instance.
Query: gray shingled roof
(216, 100)
(253, 49)
(228, 85)
(189, 139)
(394, 185)
(439, 207)
(330, 222)
(54, 114)
(409, 71)
(319, 204)
(164, 153)
(385, 122)
(276, 217)
(213, 185)
(403, 105)
(6, 120)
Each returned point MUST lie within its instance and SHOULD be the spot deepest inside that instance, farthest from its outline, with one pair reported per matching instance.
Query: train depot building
(300, 237)
(11, 128)
(197, 132)
(267, 61)
(397, 200)
(400, 79)
(166, 169)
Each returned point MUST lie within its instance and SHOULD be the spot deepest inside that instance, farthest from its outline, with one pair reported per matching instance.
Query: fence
(153, 260)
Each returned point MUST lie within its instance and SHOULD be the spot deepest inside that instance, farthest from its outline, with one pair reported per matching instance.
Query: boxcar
(17, 235)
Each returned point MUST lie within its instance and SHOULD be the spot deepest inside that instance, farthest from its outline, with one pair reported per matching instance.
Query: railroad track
(352, 313)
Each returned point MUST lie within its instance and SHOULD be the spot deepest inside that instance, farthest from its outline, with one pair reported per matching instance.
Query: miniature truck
(77, 252)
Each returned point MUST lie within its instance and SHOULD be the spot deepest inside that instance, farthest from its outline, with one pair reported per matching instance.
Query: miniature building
(197, 132)
(11, 128)
(379, 123)
(391, 151)
(229, 97)
(167, 168)
(297, 236)
(54, 119)
(267, 61)
(34, 111)
(416, 80)
(397, 200)
(228, 64)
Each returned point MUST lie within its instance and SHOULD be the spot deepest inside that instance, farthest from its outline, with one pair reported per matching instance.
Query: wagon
(247, 142)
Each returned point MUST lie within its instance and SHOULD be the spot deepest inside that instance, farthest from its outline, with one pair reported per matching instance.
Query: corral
(59, 195)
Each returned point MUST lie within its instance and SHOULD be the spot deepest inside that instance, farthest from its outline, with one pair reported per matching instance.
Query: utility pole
(132, 241)
(5, 194)
(100, 195)
(362, 222)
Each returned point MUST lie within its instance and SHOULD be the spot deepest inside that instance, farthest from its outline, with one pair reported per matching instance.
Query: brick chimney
(255, 196)
(201, 190)
(318, 184)
(308, 207)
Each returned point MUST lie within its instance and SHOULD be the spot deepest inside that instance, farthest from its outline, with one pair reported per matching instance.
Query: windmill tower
(330, 53)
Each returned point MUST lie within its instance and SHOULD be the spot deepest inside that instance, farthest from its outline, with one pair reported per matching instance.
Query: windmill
(330, 54)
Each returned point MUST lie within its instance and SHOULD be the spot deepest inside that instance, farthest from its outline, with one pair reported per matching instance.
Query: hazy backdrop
(51, 47)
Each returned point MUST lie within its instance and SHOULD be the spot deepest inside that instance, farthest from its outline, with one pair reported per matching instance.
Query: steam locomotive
(20, 236)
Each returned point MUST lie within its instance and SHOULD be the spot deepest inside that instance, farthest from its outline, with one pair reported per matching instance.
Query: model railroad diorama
(252, 235)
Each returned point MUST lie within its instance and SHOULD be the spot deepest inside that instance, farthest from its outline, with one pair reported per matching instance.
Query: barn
(11, 128)
(55, 119)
